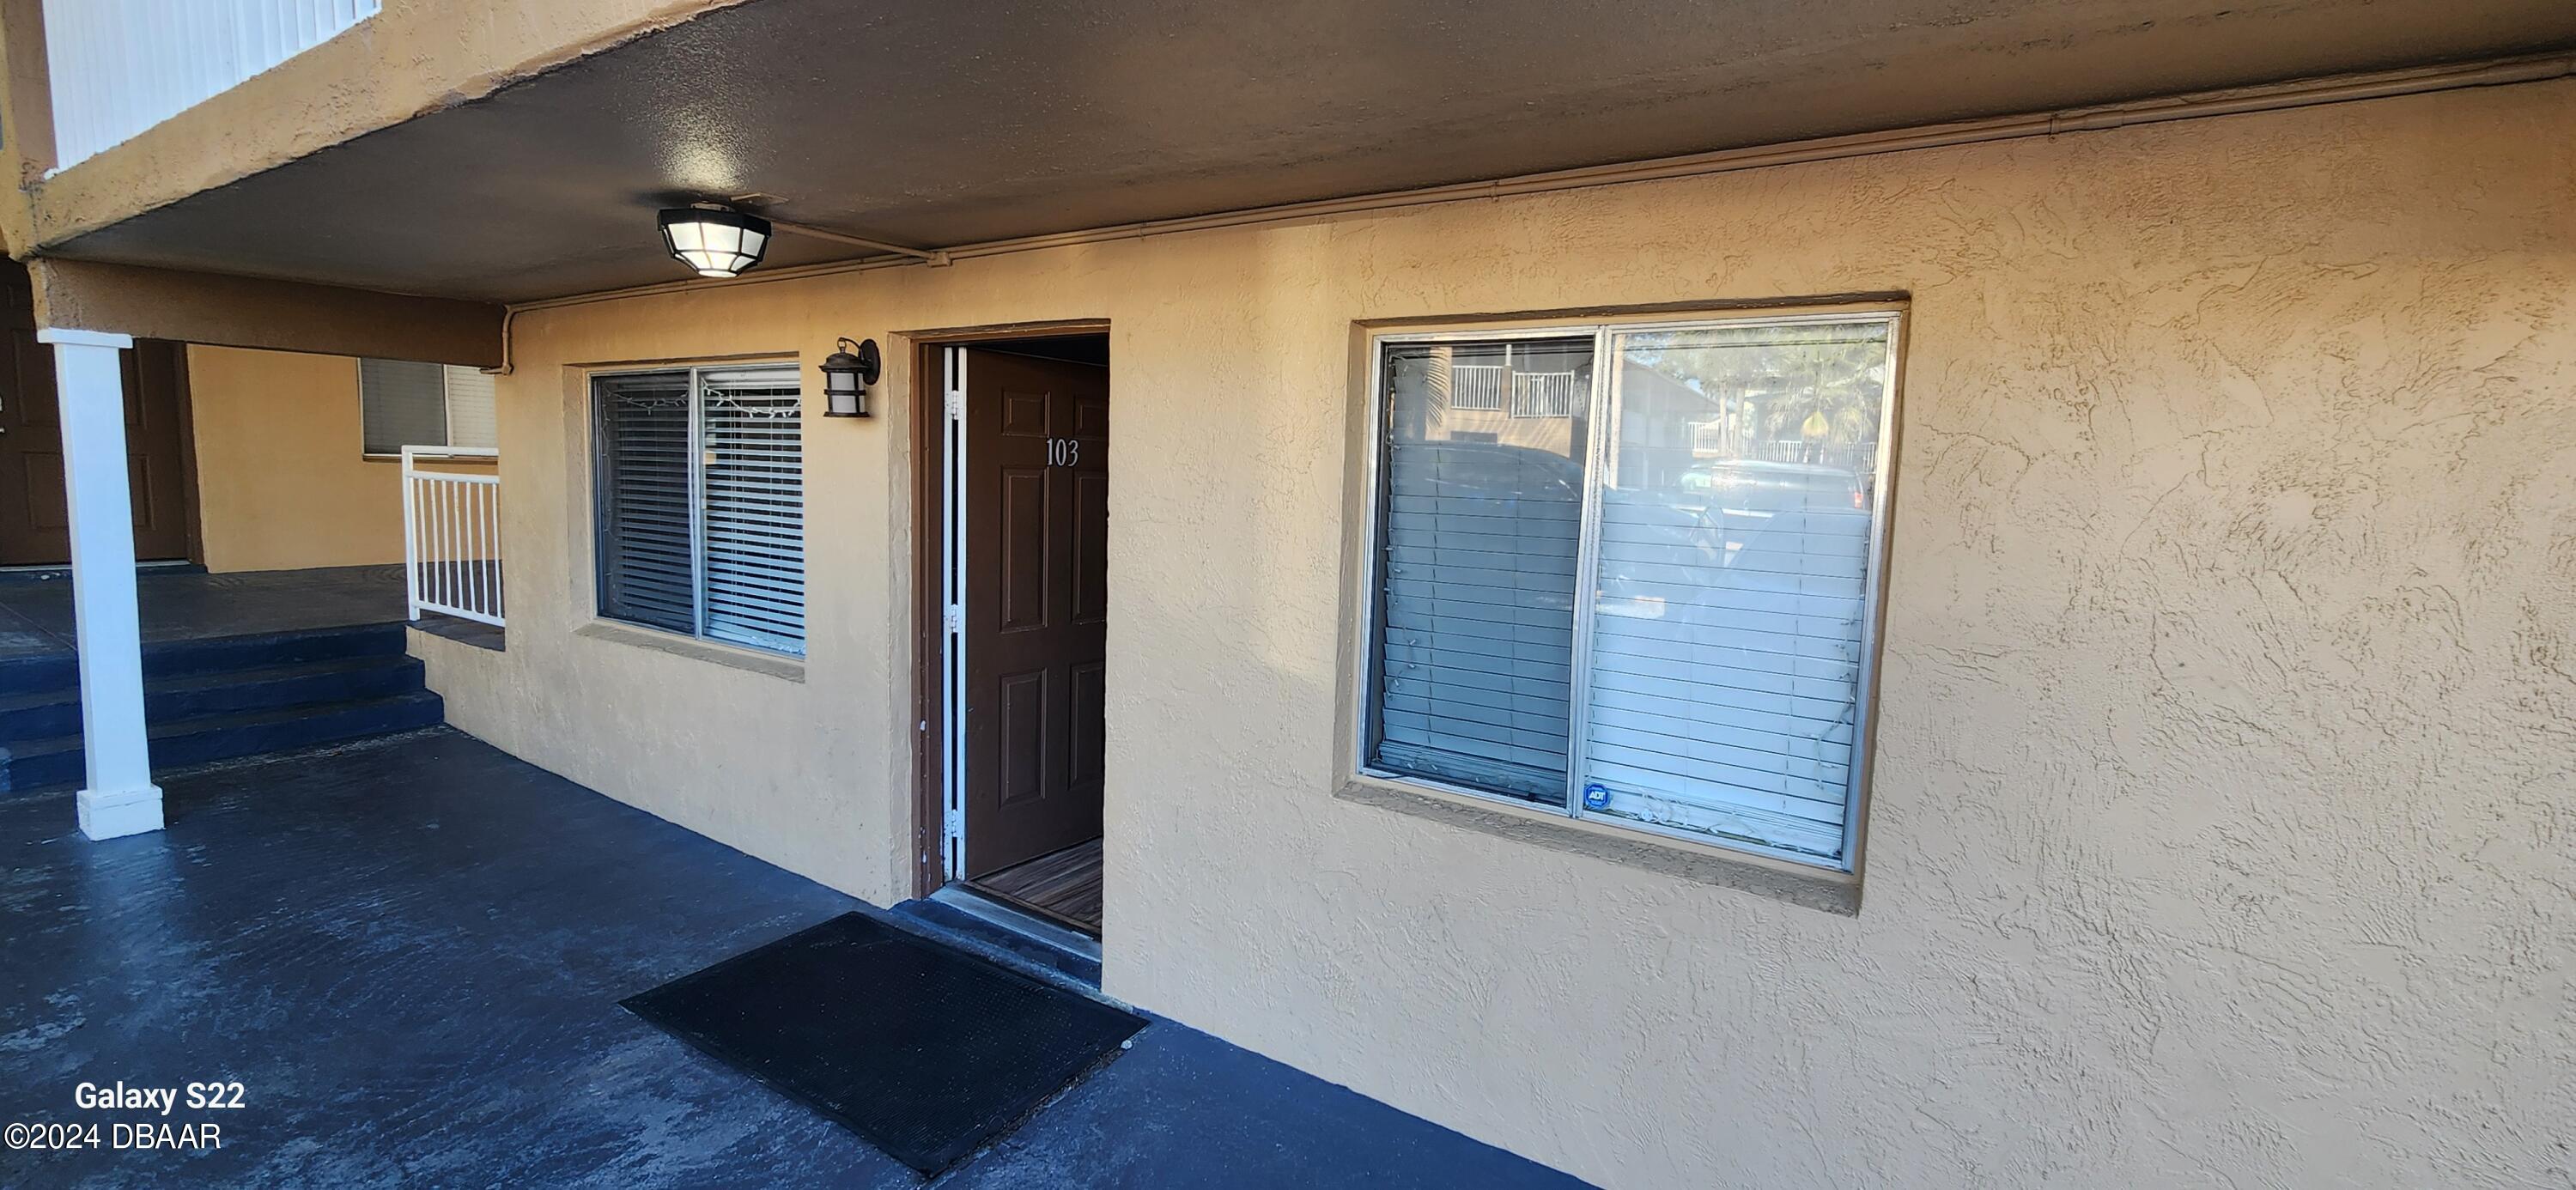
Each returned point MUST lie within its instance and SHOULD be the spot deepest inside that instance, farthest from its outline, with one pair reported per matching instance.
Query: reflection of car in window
(1490, 471)
(1733, 523)
(1533, 497)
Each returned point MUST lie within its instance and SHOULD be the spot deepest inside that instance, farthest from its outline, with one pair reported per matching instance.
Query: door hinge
(956, 405)
(955, 618)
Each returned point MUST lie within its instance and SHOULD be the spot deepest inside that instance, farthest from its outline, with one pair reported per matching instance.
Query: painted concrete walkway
(410, 952)
(36, 612)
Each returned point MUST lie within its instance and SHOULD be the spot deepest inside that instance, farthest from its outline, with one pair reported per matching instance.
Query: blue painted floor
(36, 613)
(409, 953)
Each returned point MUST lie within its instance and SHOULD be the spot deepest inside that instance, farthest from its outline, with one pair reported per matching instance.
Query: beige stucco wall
(2222, 832)
(281, 484)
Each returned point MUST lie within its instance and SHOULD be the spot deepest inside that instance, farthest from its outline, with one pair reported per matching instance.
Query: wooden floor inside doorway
(1064, 885)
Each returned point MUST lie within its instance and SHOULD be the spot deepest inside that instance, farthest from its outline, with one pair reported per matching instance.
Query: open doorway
(35, 516)
(1020, 451)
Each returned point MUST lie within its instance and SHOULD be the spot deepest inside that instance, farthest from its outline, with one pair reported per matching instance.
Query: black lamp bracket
(870, 363)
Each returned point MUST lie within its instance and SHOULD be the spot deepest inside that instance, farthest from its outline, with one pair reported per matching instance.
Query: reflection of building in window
(1477, 386)
(1528, 395)
(1543, 394)
(1708, 439)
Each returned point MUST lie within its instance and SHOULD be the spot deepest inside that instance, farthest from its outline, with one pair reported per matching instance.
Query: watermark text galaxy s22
(119, 1115)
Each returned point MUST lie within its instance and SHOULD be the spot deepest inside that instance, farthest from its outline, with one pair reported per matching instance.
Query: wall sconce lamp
(847, 373)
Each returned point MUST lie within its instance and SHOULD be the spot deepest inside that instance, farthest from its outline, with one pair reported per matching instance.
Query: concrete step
(57, 712)
(46, 763)
(181, 658)
(1005, 935)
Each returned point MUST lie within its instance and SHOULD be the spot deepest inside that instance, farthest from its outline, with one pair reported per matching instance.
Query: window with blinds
(701, 502)
(406, 403)
(752, 502)
(1670, 627)
(1479, 527)
(470, 416)
(647, 527)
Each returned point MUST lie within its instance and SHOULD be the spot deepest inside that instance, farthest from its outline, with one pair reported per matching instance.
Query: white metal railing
(119, 67)
(452, 534)
(1543, 394)
(1477, 386)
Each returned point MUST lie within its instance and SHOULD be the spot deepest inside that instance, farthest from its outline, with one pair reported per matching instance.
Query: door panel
(35, 521)
(1022, 551)
(156, 441)
(1090, 547)
(1089, 721)
(1037, 528)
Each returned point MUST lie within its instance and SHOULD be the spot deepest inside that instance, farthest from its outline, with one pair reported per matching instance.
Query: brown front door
(1037, 601)
(35, 522)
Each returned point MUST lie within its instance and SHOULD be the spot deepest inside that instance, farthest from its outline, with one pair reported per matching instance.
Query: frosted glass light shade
(715, 242)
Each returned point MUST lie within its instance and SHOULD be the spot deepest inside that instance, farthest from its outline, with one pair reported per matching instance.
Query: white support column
(120, 798)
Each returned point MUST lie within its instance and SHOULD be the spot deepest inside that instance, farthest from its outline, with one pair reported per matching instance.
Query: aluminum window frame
(1600, 425)
(1374, 482)
(446, 409)
(697, 495)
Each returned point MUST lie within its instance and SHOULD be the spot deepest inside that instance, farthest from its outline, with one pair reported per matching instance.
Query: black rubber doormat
(927, 1052)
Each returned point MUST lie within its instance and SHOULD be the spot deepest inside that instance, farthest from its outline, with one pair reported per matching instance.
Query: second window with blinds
(701, 502)
(1629, 572)
(404, 403)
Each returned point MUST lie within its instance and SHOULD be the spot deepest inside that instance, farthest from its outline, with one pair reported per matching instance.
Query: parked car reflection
(1741, 522)
(1537, 493)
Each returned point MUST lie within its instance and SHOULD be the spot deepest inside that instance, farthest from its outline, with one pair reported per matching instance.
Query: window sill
(770, 664)
(1813, 888)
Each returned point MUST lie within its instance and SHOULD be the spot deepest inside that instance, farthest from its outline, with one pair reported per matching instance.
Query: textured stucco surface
(281, 481)
(2222, 832)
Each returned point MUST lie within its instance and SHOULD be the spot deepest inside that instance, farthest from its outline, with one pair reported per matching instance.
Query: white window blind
(647, 533)
(1725, 679)
(470, 416)
(755, 507)
(1477, 585)
(1717, 651)
(700, 476)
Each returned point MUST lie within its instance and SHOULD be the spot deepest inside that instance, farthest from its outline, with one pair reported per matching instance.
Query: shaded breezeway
(409, 952)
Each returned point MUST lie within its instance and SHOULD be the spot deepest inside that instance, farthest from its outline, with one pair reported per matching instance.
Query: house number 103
(1063, 452)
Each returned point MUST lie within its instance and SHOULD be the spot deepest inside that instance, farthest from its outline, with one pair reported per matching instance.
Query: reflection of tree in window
(1764, 384)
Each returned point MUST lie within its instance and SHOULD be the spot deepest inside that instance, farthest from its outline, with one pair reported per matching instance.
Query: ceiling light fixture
(716, 241)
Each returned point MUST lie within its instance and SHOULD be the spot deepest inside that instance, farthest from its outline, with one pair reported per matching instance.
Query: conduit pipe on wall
(929, 256)
(2236, 101)
(508, 315)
